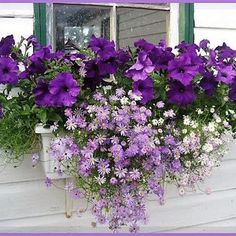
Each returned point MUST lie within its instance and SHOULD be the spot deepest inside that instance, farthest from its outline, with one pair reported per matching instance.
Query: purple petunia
(226, 74)
(141, 69)
(6, 45)
(32, 40)
(204, 44)
(8, 71)
(144, 45)
(61, 91)
(65, 88)
(93, 77)
(160, 57)
(232, 92)
(104, 48)
(180, 94)
(43, 97)
(145, 89)
(182, 69)
(208, 83)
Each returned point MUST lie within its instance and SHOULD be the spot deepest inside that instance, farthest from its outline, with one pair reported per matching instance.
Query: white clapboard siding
(17, 19)
(216, 22)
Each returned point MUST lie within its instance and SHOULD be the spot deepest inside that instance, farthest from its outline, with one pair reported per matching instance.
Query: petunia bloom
(141, 69)
(43, 97)
(104, 48)
(232, 92)
(145, 89)
(65, 88)
(226, 74)
(6, 45)
(8, 71)
(182, 69)
(208, 83)
(180, 94)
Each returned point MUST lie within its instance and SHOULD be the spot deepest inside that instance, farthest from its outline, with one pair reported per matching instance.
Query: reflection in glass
(76, 24)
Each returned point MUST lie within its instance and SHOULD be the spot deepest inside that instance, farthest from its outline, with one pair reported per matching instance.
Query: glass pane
(135, 23)
(77, 23)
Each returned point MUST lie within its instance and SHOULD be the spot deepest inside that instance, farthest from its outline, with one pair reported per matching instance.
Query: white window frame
(172, 20)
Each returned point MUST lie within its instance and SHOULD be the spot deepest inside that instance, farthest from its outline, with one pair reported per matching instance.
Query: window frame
(43, 21)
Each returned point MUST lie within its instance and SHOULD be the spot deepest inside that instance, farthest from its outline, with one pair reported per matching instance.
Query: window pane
(134, 23)
(78, 23)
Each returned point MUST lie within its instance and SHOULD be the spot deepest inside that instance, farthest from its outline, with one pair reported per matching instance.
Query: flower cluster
(126, 122)
(125, 151)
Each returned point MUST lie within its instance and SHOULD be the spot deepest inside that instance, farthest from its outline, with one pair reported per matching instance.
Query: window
(123, 23)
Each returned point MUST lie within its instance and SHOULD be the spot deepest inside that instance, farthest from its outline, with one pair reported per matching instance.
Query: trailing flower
(126, 122)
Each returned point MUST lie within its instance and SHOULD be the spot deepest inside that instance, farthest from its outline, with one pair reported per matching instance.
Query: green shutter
(186, 22)
(40, 22)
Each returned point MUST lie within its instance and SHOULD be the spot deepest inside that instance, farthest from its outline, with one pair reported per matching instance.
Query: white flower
(154, 122)
(211, 127)
(184, 131)
(199, 111)
(100, 180)
(157, 141)
(169, 114)
(194, 124)
(226, 123)
(160, 121)
(55, 126)
(212, 110)
(226, 99)
(217, 118)
(207, 147)
(160, 131)
(181, 191)
(124, 101)
(187, 120)
(188, 163)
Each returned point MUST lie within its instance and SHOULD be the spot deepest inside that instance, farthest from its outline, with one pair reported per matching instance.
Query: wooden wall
(134, 24)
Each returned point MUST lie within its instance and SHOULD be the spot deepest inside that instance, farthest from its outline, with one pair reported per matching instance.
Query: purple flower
(43, 97)
(225, 52)
(144, 45)
(184, 47)
(108, 66)
(8, 71)
(141, 69)
(180, 94)
(208, 83)
(48, 182)
(144, 88)
(37, 60)
(232, 92)
(6, 45)
(160, 57)
(104, 48)
(226, 74)
(117, 152)
(65, 88)
(33, 40)
(93, 77)
(176, 165)
(182, 69)
(204, 44)
(122, 57)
